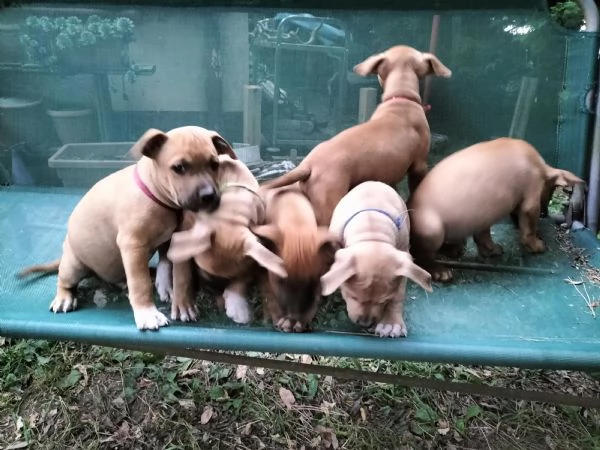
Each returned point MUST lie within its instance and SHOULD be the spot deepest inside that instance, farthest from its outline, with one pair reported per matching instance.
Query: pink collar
(400, 97)
(146, 190)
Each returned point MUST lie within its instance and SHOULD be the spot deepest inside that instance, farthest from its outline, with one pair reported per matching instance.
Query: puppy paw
(185, 312)
(535, 245)
(491, 250)
(149, 318)
(290, 325)
(164, 281)
(392, 330)
(63, 302)
(236, 307)
(441, 273)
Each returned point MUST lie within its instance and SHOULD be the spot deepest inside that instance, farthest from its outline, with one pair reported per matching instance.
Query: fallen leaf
(118, 402)
(186, 403)
(287, 397)
(19, 423)
(16, 445)
(206, 415)
(328, 436)
(189, 373)
(363, 414)
(260, 371)
(326, 407)
(247, 429)
(306, 359)
(443, 431)
(240, 372)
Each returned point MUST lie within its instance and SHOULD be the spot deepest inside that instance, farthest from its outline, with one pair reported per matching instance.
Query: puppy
(373, 266)
(393, 142)
(307, 251)
(122, 220)
(222, 246)
(470, 190)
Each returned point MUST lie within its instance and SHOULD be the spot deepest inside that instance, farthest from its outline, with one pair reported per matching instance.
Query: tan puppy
(121, 221)
(373, 266)
(393, 142)
(472, 189)
(222, 246)
(307, 251)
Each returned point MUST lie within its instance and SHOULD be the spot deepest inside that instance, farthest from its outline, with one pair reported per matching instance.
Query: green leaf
(70, 380)
(313, 386)
(425, 414)
(473, 411)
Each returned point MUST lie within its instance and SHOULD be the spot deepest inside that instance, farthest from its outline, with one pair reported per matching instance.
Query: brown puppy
(470, 190)
(307, 251)
(373, 266)
(121, 221)
(393, 142)
(222, 246)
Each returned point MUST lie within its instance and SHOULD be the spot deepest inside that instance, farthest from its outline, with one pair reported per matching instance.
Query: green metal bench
(521, 310)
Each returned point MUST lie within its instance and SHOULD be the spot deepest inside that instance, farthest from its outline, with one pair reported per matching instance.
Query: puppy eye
(214, 165)
(179, 168)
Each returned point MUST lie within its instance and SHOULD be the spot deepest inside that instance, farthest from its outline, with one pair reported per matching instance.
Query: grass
(57, 395)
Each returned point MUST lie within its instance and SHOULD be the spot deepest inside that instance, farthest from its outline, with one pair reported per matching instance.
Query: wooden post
(252, 127)
(367, 102)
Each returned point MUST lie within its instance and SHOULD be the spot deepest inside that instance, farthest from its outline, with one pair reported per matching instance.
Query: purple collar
(146, 190)
(397, 220)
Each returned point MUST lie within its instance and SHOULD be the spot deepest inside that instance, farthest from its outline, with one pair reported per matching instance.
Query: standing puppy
(221, 246)
(121, 221)
(470, 190)
(373, 266)
(307, 251)
(393, 142)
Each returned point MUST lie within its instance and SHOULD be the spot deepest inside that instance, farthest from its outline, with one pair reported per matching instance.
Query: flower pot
(23, 120)
(105, 56)
(74, 125)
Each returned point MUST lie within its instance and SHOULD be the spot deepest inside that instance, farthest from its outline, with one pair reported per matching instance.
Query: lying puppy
(393, 142)
(470, 190)
(307, 251)
(222, 246)
(122, 220)
(373, 266)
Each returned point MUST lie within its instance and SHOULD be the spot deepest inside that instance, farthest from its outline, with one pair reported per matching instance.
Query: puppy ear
(187, 244)
(269, 234)
(223, 147)
(435, 66)
(407, 268)
(369, 65)
(264, 257)
(342, 269)
(563, 178)
(149, 144)
(329, 242)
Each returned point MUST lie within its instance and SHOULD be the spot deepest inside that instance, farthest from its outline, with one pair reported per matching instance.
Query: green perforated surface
(485, 317)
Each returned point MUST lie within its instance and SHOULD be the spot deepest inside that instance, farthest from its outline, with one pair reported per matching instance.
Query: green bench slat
(485, 317)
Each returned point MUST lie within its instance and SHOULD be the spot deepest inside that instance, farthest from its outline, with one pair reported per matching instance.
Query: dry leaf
(443, 431)
(186, 403)
(260, 371)
(287, 397)
(363, 414)
(20, 423)
(328, 436)
(16, 445)
(118, 402)
(247, 429)
(306, 359)
(206, 415)
(240, 372)
(189, 373)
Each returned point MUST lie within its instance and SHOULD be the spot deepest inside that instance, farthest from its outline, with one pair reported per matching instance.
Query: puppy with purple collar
(372, 267)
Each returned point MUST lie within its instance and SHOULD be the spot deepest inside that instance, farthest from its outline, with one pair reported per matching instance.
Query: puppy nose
(209, 197)
(365, 321)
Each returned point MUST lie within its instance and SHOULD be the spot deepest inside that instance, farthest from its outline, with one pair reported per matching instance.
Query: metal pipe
(590, 12)
(435, 26)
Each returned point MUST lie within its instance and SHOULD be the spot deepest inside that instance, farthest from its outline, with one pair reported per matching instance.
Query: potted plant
(78, 44)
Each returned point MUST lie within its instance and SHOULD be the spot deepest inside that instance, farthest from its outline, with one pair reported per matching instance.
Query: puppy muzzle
(206, 198)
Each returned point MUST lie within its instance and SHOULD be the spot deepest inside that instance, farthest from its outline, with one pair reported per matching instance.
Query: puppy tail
(297, 174)
(50, 267)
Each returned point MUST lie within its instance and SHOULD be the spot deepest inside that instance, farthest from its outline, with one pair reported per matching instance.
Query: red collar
(146, 190)
(401, 97)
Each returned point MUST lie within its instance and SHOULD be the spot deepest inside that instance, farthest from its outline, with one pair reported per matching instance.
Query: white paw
(164, 280)
(63, 303)
(236, 307)
(390, 329)
(149, 318)
(184, 313)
